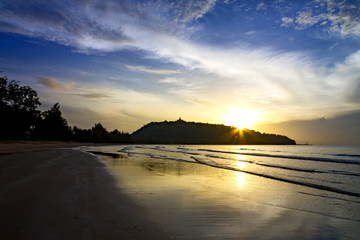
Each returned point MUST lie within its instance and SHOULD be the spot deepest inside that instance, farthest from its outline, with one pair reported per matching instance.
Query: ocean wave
(224, 160)
(303, 183)
(294, 157)
(156, 156)
(188, 151)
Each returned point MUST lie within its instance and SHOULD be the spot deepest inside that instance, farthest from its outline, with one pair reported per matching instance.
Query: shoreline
(66, 194)
(196, 201)
(11, 147)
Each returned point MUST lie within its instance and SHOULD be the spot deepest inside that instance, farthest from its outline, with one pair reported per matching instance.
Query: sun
(240, 118)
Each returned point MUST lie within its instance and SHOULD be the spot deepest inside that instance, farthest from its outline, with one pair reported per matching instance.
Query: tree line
(21, 119)
(182, 132)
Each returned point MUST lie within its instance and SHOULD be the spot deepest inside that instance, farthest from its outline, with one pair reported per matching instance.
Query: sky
(127, 63)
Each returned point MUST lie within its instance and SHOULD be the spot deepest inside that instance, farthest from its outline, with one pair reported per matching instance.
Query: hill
(182, 132)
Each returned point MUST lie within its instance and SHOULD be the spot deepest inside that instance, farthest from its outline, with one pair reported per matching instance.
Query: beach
(140, 192)
(7, 147)
(66, 194)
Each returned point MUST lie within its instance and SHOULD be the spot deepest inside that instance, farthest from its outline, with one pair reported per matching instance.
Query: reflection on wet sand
(240, 176)
(195, 201)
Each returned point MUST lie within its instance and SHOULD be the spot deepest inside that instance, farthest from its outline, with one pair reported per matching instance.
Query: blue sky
(125, 63)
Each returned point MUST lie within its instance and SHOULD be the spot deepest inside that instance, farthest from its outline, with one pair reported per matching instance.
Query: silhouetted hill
(182, 132)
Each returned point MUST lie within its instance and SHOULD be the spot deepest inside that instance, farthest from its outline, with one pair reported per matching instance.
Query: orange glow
(240, 118)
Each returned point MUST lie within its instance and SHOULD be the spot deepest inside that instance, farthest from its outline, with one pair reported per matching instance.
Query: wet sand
(66, 194)
(7, 147)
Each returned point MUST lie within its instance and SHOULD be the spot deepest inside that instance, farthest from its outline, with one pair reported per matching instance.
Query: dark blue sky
(124, 63)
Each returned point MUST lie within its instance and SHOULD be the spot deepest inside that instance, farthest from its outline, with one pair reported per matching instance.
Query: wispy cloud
(94, 95)
(250, 33)
(282, 80)
(97, 24)
(153, 71)
(72, 88)
(82, 51)
(54, 84)
(177, 11)
(345, 80)
(263, 77)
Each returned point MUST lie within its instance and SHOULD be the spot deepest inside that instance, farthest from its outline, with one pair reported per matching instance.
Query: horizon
(288, 68)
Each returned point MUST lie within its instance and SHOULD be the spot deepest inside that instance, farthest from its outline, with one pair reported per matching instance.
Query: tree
(100, 134)
(116, 136)
(82, 135)
(18, 107)
(54, 126)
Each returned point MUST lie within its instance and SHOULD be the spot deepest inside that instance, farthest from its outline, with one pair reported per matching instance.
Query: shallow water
(232, 192)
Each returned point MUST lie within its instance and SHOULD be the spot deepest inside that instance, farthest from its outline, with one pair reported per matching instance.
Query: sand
(7, 147)
(65, 194)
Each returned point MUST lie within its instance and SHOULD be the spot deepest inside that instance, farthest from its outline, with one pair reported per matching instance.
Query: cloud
(333, 16)
(287, 21)
(261, 6)
(74, 89)
(345, 129)
(250, 33)
(176, 13)
(65, 23)
(82, 51)
(337, 17)
(175, 81)
(54, 84)
(354, 95)
(98, 24)
(287, 81)
(153, 71)
(345, 77)
(94, 95)
(306, 18)
(187, 11)
(57, 21)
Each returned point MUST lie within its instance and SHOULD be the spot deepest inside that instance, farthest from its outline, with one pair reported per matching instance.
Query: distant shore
(53, 193)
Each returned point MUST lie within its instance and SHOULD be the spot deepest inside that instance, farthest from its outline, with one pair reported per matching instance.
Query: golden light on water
(240, 118)
(240, 176)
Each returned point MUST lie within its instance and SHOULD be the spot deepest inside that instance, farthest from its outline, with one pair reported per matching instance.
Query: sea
(330, 168)
(319, 182)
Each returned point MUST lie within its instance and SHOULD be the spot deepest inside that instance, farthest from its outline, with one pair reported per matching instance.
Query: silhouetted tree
(20, 118)
(100, 133)
(54, 126)
(82, 135)
(18, 108)
(116, 136)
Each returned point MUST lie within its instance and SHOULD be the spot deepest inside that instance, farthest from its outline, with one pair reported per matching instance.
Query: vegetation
(18, 107)
(52, 125)
(21, 119)
(182, 132)
(99, 134)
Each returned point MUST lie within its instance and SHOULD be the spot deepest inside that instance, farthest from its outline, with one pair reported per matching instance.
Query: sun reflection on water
(240, 176)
